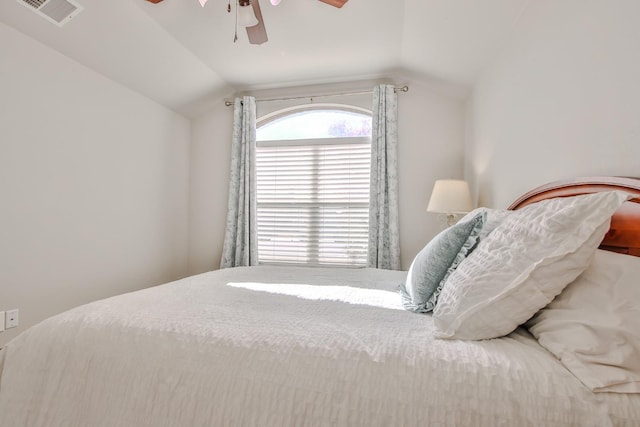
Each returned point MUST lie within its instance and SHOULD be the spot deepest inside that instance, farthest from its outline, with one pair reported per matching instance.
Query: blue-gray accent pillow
(436, 261)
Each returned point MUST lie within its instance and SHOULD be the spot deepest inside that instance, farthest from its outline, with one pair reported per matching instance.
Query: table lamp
(450, 197)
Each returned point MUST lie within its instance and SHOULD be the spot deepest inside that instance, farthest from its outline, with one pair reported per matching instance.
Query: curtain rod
(404, 88)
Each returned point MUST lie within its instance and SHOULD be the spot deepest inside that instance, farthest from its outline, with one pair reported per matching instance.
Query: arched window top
(324, 122)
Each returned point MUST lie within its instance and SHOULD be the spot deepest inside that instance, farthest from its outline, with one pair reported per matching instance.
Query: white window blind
(313, 201)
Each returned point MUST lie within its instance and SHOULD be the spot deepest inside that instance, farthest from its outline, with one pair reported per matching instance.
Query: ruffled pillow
(436, 261)
(494, 217)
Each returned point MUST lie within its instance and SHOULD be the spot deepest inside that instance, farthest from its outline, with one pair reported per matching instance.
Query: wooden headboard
(624, 234)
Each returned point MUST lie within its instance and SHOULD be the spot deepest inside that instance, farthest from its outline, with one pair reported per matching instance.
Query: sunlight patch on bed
(347, 294)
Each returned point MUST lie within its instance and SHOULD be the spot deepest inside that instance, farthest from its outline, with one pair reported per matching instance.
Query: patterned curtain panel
(384, 235)
(240, 238)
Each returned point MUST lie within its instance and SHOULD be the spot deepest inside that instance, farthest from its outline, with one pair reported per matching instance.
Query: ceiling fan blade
(258, 33)
(154, 1)
(336, 3)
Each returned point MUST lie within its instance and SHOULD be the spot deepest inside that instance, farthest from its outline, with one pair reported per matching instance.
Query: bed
(285, 346)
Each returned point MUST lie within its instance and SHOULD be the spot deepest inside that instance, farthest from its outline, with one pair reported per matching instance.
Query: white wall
(562, 100)
(211, 137)
(431, 146)
(93, 185)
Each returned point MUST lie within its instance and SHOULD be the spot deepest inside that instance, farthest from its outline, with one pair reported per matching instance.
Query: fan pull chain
(229, 7)
(235, 36)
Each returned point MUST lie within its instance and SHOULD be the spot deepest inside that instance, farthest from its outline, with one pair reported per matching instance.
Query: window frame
(343, 141)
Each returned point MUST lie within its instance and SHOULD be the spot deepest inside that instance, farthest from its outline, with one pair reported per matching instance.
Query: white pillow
(593, 326)
(523, 264)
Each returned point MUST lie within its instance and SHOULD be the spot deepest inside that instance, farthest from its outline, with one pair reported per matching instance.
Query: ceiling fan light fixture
(275, 2)
(246, 16)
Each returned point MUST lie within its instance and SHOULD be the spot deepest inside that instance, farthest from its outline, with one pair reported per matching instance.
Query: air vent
(57, 11)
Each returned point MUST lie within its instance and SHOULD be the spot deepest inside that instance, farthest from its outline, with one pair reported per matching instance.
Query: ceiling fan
(250, 16)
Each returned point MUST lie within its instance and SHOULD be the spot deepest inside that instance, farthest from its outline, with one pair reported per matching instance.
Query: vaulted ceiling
(179, 54)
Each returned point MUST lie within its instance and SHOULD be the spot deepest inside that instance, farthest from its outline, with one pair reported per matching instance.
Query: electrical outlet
(11, 318)
(1, 321)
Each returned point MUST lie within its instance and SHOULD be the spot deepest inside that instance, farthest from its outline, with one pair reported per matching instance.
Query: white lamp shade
(246, 17)
(450, 196)
(275, 2)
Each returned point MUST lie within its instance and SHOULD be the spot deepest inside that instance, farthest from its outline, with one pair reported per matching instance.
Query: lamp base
(447, 220)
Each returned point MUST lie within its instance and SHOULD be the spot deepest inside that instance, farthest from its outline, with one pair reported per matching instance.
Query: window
(312, 170)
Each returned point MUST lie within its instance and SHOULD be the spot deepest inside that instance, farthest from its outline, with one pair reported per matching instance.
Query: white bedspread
(271, 346)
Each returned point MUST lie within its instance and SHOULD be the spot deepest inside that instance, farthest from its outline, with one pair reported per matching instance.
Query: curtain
(240, 238)
(384, 235)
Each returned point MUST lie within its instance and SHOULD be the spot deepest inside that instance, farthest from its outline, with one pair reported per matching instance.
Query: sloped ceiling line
(182, 55)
